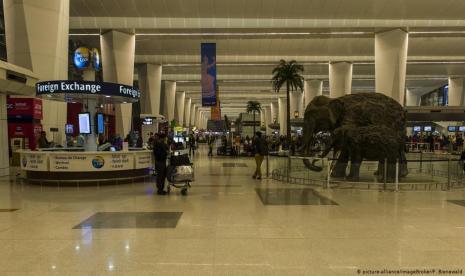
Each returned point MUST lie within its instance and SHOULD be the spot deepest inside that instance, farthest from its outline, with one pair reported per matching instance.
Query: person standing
(210, 141)
(261, 150)
(160, 152)
(43, 142)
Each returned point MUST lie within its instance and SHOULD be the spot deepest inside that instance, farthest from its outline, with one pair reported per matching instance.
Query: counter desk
(86, 166)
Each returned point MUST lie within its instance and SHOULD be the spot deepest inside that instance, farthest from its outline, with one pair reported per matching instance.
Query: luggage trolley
(180, 172)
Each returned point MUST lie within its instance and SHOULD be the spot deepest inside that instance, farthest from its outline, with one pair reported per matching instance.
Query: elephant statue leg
(341, 165)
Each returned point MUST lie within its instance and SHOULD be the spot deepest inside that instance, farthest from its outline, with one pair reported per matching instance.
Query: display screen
(84, 123)
(147, 121)
(452, 128)
(69, 129)
(100, 123)
(428, 128)
(461, 128)
(417, 128)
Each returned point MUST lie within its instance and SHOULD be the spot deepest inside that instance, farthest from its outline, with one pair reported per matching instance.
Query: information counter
(89, 166)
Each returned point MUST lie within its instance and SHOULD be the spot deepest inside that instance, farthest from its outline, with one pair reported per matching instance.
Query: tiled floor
(225, 228)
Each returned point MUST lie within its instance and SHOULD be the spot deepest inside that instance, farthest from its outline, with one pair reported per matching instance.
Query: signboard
(34, 161)
(75, 162)
(452, 128)
(24, 108)
(86, 87)
(83, 58)
(417, 128)
(208, 76)
(143, 160)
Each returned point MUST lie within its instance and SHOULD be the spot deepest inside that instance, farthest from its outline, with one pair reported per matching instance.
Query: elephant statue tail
(312, 166)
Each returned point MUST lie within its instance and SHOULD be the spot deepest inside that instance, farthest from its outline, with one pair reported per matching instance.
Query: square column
(312, 88)
(456, 92)
(37, 39)
(169, 99)
(391, 63)
(150, 87)
(187, 112)
(282, 103)
(118, 67)
(268, 119)
(179, 109)
(340, 79)
(274, 109)
(296, 103)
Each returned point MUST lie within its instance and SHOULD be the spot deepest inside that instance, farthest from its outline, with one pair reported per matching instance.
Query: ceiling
(252, 35)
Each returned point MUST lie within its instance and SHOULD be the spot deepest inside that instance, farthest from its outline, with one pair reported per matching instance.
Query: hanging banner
(208, 61)
(216, 110)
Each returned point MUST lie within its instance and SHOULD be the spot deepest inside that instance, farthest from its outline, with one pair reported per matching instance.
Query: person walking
(210, 141)
(260, 150)
(160, 152)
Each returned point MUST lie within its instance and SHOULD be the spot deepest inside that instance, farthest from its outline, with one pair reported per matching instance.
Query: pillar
(118, 67)
(391, 63)
(282, 116)
(412, 99)
(179, 108)
(268, 119)
(312, 88)
(187, 112)
(192, 115)
(262, 118)
(150, 87)
(296, 103)
(340, 79)
(197, 117)
(274, 109)
(37, 39)
(169, 100)
(4, 158)
(456, 92)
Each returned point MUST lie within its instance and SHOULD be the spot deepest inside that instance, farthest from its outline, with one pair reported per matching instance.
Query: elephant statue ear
(336, 109)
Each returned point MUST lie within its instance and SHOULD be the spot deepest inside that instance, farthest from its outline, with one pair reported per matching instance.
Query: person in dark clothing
(160, 151)
(191, 144)
(210, 141)
(260, 149)
(43, 142)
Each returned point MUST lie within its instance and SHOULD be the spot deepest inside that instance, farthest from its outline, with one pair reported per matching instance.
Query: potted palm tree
(289, 73)
(252, 107)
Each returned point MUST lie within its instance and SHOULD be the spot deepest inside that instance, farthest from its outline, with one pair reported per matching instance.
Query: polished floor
(228, 224)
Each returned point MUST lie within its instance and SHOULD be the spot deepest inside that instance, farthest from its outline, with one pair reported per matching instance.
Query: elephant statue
(373, 143)
(342, 116)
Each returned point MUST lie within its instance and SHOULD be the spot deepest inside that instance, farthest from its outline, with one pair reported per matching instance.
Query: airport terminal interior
(220, 137)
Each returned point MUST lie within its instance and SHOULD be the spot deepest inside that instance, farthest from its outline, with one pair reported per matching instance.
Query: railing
(426, 171)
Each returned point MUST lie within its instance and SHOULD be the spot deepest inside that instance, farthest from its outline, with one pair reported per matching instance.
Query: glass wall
(437, 97)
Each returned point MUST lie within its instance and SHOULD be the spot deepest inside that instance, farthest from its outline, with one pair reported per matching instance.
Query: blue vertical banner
(208, 81)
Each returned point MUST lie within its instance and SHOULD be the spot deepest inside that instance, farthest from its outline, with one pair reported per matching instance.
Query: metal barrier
(426, 171)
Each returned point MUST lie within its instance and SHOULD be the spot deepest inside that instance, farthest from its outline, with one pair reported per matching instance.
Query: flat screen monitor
(147, 121)
(417, 128)
(84, 123)
(69, 129)
(461, 128)
(452, 128)
(428, 128)
(100, 123)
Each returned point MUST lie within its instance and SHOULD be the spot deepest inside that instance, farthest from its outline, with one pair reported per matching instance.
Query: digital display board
(417, 128)
(69, 129)
(100, 123)
(452, 128)
(84, 123)
(461, 128)
(428, 128)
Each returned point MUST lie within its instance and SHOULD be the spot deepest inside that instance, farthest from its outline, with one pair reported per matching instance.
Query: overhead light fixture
(85, 34)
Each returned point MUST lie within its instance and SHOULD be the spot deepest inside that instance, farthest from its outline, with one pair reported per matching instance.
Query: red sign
(25, 130)
(24, 108)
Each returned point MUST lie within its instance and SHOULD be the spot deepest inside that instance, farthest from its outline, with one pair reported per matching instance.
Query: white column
(197, 117)
(340, 79)
(187, 112)
(262, 118)
(4, 158)
(268, 119)
(282, 116)
(456, 92)
(412, 99)
(118, 66)
(179, 109)
(296, 103)
(150, 87)
(169, 100)
(274, 109)
(391, 63)
(312, 89)
(192, 115)
(37, 39)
